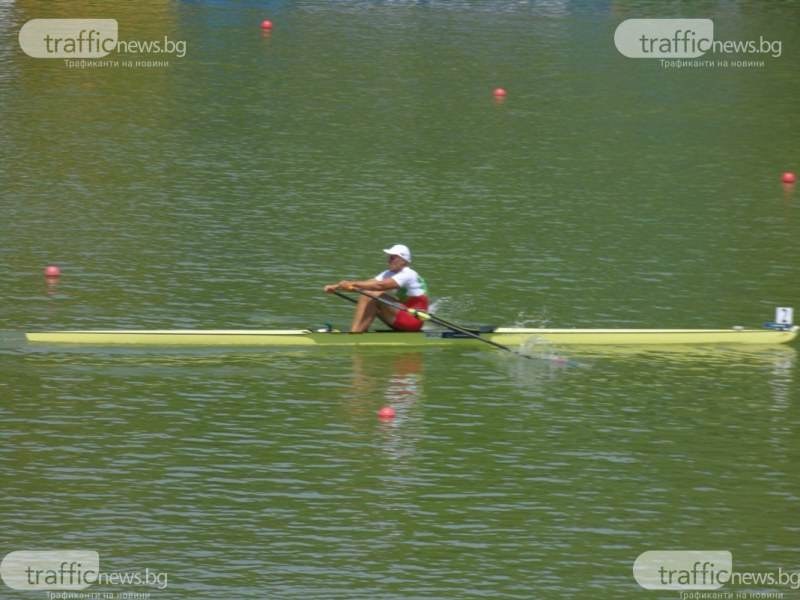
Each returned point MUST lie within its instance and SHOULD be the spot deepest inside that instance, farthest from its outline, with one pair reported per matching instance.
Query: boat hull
(507, 336)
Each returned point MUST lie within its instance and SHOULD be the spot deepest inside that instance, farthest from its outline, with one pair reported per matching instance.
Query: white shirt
(409, 281)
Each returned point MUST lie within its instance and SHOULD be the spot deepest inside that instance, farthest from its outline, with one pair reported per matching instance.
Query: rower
(412, 292)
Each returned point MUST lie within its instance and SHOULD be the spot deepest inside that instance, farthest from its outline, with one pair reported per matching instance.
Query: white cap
(399, 250)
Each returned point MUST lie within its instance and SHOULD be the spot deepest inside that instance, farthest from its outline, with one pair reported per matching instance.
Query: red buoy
(386, 413)
(789, 177)
(500, 92)
(52, 271)
(266, 25)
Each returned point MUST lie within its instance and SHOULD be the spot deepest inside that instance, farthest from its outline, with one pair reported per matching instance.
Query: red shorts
(406, 322)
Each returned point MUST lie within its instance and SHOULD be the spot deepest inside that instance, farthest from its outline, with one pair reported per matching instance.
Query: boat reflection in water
(551, 361)
(389, 379)
(394, 378)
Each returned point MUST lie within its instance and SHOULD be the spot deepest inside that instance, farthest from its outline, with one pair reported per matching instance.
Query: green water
(225, 189)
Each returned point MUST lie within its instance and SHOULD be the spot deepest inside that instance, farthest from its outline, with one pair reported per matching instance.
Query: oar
(345, 296)
(426, 316)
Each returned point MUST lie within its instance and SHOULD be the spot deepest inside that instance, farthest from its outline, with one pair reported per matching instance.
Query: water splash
(524, 319)
(453, 308)
(543, 350)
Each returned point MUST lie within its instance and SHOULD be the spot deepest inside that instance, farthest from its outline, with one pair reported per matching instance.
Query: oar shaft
(426, 316)
(345, 296)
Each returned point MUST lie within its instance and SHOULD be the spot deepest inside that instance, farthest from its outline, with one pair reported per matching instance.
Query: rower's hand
(346, 285)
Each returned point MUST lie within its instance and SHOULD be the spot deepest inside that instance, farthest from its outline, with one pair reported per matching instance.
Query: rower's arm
(368, 285)
(376, 285)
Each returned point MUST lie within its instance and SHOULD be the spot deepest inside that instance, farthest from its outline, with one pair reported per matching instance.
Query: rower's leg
(364, 314)
(366, 311)
(386, 313)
